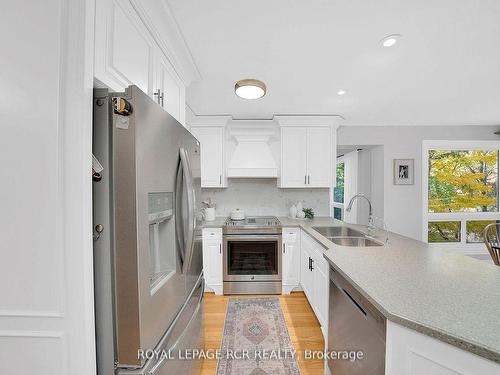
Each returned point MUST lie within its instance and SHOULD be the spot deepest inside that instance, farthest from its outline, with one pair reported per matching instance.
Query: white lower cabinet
(306, 276)
(411, 353)
(212, 259)
(290, 259)
(314, 278)
(321, 285)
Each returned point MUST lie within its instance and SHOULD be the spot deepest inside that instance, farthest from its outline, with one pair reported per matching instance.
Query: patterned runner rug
(256, 339)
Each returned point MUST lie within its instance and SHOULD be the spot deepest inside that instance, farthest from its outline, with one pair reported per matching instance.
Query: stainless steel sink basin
(338, 232)
(354, 241)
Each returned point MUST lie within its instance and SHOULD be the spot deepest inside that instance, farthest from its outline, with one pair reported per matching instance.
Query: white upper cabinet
(212, 155)
(319, 157)
(130, 50)
(308, 146)
(124, 50)
(293, 157)
(169, 91)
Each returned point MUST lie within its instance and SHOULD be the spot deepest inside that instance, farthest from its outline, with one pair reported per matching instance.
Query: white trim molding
(326, 120)
(170, 41)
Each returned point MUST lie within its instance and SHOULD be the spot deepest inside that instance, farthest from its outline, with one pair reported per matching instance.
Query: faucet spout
(371, 226)
(351, 202)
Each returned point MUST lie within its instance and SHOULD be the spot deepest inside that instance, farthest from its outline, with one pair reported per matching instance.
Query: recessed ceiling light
(390, 40)
(341, 92)
(250, 89)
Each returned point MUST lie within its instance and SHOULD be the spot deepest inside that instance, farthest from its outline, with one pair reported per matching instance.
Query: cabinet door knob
(99, 229)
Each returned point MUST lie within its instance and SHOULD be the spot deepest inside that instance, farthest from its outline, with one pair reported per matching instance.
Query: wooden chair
(492, 241)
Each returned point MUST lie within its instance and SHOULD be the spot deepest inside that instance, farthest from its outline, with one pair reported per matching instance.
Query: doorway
(359, 169)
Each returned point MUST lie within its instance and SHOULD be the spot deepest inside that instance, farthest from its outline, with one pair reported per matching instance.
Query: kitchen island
(441, 294)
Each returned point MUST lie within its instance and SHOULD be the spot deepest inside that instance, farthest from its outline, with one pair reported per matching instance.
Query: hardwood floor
(303, 328)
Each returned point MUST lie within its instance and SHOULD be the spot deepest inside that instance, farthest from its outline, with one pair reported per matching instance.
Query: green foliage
(463, 181)
(444, 231)
(338, 191)
(308, 212)
(475, 230)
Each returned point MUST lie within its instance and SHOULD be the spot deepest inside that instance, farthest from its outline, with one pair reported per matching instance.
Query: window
(460, 190)
(338, 191)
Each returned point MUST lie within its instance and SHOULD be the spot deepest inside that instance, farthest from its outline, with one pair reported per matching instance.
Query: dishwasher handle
(351, 298)
(365, 307)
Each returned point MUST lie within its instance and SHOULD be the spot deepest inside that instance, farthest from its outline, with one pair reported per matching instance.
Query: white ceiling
(444, 71)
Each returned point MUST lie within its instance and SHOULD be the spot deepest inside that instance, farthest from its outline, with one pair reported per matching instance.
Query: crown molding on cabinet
(334, 121)
(227, 120)
(170, 39)
(198, 121)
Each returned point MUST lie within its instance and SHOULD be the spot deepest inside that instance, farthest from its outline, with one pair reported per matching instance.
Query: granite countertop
(445, 295)
(217, 223)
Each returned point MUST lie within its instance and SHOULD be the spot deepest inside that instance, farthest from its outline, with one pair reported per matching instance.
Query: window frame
(462, 217)
(334, 205)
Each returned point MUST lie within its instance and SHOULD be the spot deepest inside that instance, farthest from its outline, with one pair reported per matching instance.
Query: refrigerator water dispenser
(161, 238)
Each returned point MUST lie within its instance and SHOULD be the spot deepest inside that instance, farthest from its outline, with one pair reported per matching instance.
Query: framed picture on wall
(404, 171)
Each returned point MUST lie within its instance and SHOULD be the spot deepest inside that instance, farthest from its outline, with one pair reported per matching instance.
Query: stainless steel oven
(252, 257)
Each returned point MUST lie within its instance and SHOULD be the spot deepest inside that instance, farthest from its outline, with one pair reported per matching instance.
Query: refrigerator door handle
(179, 228)
(191, 224)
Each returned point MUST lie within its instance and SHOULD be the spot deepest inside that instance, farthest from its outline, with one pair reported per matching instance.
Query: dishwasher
(354, 325)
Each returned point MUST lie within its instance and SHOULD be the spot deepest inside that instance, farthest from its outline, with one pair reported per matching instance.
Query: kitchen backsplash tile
(262, 197)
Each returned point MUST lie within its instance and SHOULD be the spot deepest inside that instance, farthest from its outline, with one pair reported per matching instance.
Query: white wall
(262, 197)
(403, 204)
(46, 308)
(371, 182)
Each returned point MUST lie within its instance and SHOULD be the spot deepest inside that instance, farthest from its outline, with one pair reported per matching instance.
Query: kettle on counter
(237, 214)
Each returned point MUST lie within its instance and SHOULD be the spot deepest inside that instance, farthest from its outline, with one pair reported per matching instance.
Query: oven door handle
(252, 237)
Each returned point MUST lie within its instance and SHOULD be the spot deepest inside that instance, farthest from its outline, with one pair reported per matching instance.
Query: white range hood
(252, 156)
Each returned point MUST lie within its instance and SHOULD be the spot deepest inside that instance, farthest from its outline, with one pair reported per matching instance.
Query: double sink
(345, 236)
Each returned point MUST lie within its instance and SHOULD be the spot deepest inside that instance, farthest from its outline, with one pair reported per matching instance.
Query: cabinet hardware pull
(220, 179)
(305, 179)
(309, 263)
(312, 262)
(309, 179)
(158, 95)
(220, 248)
(161, 97)
(284, 248)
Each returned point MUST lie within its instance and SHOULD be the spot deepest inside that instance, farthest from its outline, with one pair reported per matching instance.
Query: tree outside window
(338, 192)
(461, 181)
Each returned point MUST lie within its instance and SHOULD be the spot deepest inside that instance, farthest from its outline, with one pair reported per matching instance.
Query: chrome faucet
(371, 225)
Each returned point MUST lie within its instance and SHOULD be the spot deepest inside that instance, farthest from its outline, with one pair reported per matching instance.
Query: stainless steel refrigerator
(147, 236)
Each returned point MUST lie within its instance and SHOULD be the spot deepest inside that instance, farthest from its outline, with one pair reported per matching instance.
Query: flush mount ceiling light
(341, 92)
(390, 40)
(250, 89)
